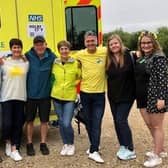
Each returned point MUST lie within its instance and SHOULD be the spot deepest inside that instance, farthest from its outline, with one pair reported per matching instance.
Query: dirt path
(109, 146)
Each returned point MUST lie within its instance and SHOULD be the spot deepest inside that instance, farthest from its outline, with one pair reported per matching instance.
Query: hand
(160, 104)
(1, 61)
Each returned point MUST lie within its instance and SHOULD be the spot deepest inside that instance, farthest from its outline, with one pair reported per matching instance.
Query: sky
(134, 15)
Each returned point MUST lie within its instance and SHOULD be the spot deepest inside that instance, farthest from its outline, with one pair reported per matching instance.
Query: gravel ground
(109, 146)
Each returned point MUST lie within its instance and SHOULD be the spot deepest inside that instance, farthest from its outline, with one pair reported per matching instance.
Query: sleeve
(161, 72)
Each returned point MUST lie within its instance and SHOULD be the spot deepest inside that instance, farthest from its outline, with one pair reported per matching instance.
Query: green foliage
(130, 39)
(162, 34)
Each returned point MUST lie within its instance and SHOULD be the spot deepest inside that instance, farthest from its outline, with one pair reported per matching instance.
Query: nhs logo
(35, 18)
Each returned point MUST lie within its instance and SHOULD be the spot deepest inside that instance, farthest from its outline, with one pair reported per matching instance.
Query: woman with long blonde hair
(121, 93)
(151, 92)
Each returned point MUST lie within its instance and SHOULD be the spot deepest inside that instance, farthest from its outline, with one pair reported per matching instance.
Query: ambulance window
(78, 21)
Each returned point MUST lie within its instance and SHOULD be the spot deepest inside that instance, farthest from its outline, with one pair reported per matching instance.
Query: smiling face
(91, 43)
(146, 45)
(16, 50)
(40, 48)
(114, 46)
(64, 52)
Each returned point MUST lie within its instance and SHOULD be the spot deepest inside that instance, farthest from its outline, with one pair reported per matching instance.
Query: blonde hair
(154, 40)
(110, 54)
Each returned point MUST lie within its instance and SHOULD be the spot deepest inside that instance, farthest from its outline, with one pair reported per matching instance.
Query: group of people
(32, 80)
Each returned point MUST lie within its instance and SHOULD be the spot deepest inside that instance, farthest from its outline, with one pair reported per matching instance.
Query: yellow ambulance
(54, 19)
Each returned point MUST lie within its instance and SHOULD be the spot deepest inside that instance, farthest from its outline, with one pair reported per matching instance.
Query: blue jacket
(39, 74)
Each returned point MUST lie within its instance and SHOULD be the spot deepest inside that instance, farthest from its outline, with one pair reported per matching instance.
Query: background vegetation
(130, 39)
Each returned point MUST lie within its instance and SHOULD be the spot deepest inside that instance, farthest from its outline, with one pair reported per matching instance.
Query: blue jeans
(65, 112)
(120, 112)
(93, 107)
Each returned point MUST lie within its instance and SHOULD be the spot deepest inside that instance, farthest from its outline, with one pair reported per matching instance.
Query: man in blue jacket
(40, 60)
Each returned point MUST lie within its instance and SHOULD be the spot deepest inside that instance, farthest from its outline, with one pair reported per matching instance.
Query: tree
(163, 38)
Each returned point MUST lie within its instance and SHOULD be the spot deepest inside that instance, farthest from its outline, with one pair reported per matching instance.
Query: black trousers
(12, 121)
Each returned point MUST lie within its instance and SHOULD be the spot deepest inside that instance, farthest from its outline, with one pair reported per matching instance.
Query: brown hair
(110, 55)
(63, 43)
(15, 41)
(153, 37)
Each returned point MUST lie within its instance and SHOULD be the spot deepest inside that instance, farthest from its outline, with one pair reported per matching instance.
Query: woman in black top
(121, 91)
(151, 92)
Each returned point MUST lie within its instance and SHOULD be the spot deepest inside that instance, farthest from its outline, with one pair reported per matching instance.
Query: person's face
(40, 48)
(64, 51)
(146, 45)
(114, 46)
(91, 43)
(16, 50)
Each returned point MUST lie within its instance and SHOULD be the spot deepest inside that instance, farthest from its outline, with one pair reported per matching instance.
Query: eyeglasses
(146, 43)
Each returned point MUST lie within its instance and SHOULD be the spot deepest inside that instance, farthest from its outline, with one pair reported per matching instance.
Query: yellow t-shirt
(93, 70)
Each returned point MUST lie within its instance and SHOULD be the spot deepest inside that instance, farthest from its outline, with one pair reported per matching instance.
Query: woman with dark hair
(13, 97)
(151, 92)
(121, 93)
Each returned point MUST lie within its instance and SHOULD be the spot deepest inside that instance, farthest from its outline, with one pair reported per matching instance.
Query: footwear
(162, 154)
(71, 150)
(88, 152)
(44, 149)
(121, 150)
(8, 149)
(127, 155)
(64, 150)
(30, 149)
(153, 161)
(96, 157)
(15, 155)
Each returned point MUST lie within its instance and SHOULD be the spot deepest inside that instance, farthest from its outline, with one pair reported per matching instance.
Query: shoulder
(102, 49)
(158, 56)
(51, 53)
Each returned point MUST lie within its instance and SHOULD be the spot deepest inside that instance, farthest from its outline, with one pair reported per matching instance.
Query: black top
(141, 78)
(121, 83)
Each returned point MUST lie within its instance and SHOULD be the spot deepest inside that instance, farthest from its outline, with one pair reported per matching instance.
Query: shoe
(96, 157)
(121, 151)
(8, 149)
(127, 155)
(64, 150)
(30, 149)
(88, 152)
(44, 149)
(15, 155)
(71, 150)
(153, 161)
(162, 154)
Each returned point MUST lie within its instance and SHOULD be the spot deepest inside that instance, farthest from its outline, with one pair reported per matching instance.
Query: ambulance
(54, 19)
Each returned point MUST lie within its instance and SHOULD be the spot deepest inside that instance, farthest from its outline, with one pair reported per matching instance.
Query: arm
(162, 82)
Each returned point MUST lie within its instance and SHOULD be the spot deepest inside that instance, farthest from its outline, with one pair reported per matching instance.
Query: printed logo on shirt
(16, 71)
(99, 61)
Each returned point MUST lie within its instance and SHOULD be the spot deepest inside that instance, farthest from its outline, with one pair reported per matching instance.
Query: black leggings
(12, 121)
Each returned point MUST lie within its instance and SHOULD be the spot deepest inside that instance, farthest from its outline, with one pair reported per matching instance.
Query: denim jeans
(120, 112)
(93, 107)
(65, 112)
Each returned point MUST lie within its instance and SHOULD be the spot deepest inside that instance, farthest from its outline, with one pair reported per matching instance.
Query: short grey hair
(90, 33)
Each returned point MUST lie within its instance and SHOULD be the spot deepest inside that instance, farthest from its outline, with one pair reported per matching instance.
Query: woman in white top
(13, 97)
